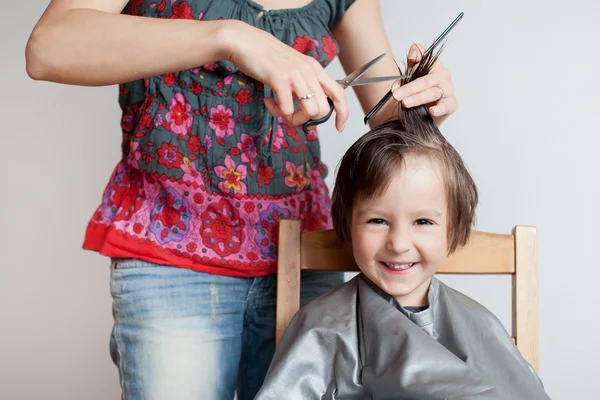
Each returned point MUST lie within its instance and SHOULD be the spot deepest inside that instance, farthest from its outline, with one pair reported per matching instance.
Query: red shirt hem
(112, 243)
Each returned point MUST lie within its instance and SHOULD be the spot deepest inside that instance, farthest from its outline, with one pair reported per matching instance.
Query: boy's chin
(414, 294)
(395, 289)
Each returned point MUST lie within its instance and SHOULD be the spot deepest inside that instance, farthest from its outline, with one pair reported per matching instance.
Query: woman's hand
(435, 89)
(290, 74)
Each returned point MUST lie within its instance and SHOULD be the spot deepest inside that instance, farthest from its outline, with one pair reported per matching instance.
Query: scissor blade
(357, 73)
(370, 81)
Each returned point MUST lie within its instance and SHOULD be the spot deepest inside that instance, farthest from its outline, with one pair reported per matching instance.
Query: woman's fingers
(310, 86)
(435, 89)
(444, 107)
(273, 107)
(415, 54)
(292, 86)
(323, 86)
(285, 102)
(430, 95)
(430, 88)
(290, 74)
(318, 100)
(415, 87)
(337, 94)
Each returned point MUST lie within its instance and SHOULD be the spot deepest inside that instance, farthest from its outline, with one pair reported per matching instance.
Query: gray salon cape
(357, 342)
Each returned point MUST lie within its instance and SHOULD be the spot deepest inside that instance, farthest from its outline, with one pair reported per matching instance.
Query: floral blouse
(207, 173)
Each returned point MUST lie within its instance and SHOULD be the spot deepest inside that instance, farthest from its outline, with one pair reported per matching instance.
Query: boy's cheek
(363, 247)
(434, 247)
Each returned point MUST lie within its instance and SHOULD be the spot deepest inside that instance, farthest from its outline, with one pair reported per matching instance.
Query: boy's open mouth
(398, 266)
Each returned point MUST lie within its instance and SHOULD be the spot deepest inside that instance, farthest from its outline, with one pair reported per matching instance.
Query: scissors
(353, 79)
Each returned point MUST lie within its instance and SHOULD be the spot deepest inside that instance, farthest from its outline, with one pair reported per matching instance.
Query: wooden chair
(485, 253)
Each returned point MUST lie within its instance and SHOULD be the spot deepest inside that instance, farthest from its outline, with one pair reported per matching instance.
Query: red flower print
(170, 79)
(248, 150)
(315, 219)
(125, 195)
(134, 7)
(233, 176)
(182, 11)
(272, 229)
(278, 141)
(147, 157)
(265, 174)
(179, 116)
(191, 247)
(97, 215)
(222, 228)
(289, 130)
(221, 122)
(313, 135)
(145, 121)
(211, 66)
(190, 173)
(137, 228)
(127, 120)
(242, 96)
(129, 201)
(146, 104)
(198, 198)
(170, 218)
(304, 44)
(267, 229)
(329, 47)
(252, 256)
(170, 213)
(249, 207)
(126, 199)
(196, 88)
(295, 177)
(193, 143)
(170, 156)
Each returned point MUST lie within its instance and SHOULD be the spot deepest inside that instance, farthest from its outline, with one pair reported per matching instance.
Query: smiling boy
(404, 200)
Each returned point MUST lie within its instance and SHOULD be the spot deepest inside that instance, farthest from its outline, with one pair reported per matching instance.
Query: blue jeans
(186, 335)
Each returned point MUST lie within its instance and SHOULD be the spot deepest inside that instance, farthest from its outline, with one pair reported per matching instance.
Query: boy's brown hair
(367, 168)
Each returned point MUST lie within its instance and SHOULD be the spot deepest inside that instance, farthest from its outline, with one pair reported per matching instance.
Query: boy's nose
(399, 241)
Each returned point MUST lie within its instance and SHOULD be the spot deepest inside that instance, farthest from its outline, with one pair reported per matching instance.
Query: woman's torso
(207, 172)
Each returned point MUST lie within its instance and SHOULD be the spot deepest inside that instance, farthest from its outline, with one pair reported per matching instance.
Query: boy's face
(399, 239)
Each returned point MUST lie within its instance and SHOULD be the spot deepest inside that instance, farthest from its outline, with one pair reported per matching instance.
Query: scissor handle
(318, 120)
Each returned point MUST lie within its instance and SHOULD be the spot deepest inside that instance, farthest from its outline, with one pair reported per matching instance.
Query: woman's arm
(88, 42)
(362, 37)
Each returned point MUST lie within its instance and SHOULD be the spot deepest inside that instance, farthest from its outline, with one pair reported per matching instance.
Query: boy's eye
(423, 221)
(377, 221)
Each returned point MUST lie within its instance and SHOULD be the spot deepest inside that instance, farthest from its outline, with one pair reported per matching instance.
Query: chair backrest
(485, 253)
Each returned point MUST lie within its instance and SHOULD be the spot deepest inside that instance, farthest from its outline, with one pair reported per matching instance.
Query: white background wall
(526, 73)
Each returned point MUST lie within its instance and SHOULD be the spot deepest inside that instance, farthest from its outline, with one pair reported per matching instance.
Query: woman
(213, 94)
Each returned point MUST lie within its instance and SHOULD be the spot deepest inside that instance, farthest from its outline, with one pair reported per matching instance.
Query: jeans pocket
(127, 274)
(130, 263)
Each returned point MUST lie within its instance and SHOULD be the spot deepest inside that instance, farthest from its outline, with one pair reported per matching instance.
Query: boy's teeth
(399, 267)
